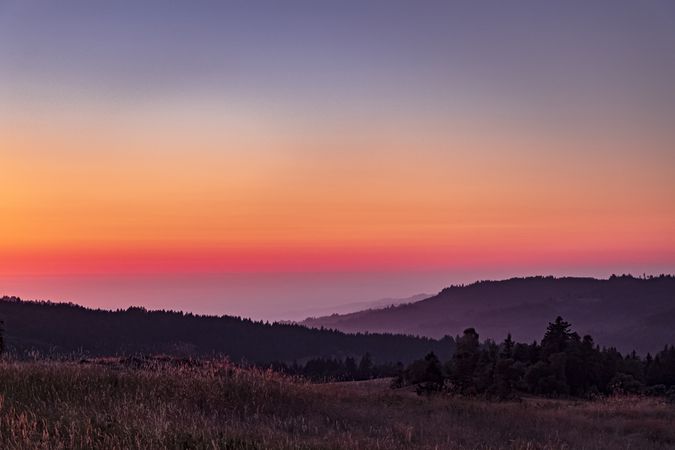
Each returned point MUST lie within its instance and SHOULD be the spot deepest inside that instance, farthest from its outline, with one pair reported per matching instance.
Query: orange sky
(237, 138)
(100, 195)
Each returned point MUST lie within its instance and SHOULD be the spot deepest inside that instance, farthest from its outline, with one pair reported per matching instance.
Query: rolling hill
(622, 311)
(66, 329)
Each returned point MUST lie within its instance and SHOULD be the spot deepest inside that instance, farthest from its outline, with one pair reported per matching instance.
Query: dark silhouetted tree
(465, 359)
(507, 347)
(557, 337)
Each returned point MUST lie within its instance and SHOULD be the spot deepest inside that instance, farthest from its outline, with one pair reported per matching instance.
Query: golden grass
(110, 405)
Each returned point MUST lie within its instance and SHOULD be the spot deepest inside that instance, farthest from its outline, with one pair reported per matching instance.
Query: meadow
(120, 404)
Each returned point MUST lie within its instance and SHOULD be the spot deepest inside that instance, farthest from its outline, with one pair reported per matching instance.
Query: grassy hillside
(64, 329)
(626, 312)
(112, 405)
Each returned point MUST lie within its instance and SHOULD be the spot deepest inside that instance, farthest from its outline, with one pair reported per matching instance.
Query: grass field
(113, 405)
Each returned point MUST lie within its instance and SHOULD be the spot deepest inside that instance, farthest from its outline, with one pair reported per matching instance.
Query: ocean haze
(269, 296)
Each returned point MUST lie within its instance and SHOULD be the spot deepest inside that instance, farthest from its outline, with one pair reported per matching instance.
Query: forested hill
(627, 312)
(61, 329)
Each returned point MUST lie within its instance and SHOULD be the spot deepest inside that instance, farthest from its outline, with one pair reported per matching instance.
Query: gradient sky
(376, 148)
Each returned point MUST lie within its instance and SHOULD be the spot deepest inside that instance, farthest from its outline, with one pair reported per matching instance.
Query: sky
(259, 158)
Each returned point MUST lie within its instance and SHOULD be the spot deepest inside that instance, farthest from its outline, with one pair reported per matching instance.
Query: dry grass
(215, 405)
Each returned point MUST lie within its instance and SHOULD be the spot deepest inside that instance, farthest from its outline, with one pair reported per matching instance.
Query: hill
(216, 405)
(64, 328)
(626, 312)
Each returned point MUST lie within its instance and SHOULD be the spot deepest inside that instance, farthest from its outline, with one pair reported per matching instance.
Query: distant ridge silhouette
(623, 311)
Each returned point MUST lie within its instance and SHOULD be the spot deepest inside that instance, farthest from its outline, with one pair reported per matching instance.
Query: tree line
(563, 364)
